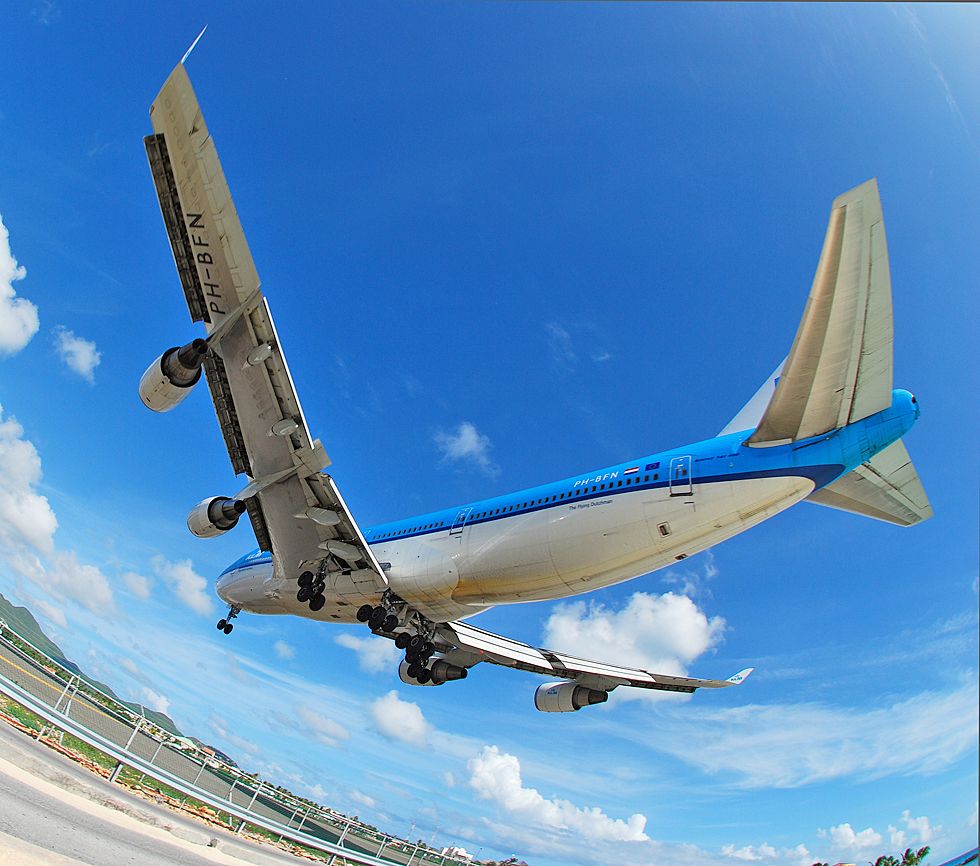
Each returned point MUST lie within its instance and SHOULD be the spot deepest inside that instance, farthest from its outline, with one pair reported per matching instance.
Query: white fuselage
(565, 549)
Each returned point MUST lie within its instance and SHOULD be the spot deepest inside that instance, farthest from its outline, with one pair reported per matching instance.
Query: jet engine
(440, 671)
(566, 697)
(213, 516)
(170, 378)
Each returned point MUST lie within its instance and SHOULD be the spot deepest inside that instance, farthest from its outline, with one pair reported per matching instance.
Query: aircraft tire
(305, 593)
(377, 617)
(424, 676)
(364, 612)
(221, 624)
(390, 623)
(414, 669)
(306, 578)
(317, 602)
(228, 627)
(402, 639)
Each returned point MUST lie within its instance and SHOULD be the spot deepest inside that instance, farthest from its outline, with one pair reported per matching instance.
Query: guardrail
(70, 702)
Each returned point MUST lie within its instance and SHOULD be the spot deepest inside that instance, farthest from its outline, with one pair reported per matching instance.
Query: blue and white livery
(825, 427)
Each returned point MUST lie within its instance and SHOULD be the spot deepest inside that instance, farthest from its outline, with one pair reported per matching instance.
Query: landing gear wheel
(305, 593)
(402, 639)
(228, 627)
(424, 676)
(427, 649)
(390, 623)
(414, 669)
(364, 612)
(416, 643)
(306, 578)
(377, 617)
(317, 602)
(221, 624)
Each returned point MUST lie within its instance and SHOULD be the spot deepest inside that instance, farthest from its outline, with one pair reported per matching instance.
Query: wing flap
(887, 488)
(839, 369)
(467, 645)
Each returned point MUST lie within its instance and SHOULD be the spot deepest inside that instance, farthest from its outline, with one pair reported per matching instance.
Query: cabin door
(460, 522)
(680, 476)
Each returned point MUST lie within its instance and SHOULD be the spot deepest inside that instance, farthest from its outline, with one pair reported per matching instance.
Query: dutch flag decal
(631, 470)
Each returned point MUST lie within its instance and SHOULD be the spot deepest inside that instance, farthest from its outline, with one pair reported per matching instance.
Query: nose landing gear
(226, 625)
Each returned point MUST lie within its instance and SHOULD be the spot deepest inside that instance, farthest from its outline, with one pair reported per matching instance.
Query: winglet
(187, 53)
(740, 677)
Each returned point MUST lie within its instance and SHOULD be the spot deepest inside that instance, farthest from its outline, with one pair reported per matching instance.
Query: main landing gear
(417, 644)
(311, 588)
(226, 624)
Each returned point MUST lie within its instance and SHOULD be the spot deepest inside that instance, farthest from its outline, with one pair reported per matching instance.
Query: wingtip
(740, 677)
(187, 53)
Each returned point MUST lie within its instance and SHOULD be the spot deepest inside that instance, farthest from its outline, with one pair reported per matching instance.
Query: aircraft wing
(465, 645)
(297, 512)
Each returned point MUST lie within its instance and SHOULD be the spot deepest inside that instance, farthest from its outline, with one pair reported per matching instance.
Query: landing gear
(226, 625)
(383, 617)
(310, 590)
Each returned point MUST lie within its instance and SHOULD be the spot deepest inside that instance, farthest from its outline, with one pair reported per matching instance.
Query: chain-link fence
(71, 703)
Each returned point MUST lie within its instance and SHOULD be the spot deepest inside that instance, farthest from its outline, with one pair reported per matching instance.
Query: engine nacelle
(440, 670)
(170, 378)
(211, 517)
(566, 697)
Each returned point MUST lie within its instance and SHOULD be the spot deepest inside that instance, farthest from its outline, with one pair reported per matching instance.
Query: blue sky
(587, 232)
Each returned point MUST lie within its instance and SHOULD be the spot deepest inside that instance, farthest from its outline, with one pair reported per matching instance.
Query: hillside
(22, 621)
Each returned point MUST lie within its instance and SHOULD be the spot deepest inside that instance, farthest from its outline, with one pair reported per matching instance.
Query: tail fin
(887, 487)
(840, 367)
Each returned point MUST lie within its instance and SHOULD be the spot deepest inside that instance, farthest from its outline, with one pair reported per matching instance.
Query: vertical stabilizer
(839, 369)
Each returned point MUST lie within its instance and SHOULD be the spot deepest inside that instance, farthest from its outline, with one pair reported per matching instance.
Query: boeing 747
(825, 427)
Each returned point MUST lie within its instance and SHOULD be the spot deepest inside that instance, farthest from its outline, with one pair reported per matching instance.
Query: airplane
(826, 427)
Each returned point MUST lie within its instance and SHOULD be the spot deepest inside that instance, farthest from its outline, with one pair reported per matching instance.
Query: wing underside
(465, 645)
(296, 511)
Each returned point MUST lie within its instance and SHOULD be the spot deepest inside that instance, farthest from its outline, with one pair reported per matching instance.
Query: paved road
(40, 683)
(57, 824)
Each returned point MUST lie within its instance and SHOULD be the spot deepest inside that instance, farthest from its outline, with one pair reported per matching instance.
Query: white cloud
(79, 355)
(138, 584)
(18, 316)
(467, 445)
(154, 700)
(185, 583)
(845, 840)
(55, 614)
(363, 799)
(26, 517)
(496, 776)
(283, 650)
(658, 633)
(223, 730)
(374, 654)
(750, 853)
(400, 720)
(324, 729)
(561, 347)
(788, 745)
(918, 831)
(82, 583)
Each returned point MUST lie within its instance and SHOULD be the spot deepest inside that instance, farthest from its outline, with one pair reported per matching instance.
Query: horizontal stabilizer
(887, 487)
(840, 367)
